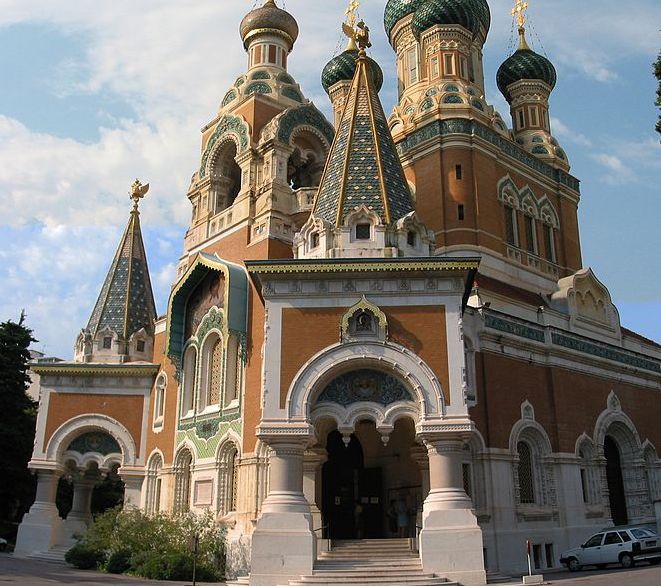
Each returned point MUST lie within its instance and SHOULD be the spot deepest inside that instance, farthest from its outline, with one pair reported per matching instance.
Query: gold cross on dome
(350, 12)
(519, 11)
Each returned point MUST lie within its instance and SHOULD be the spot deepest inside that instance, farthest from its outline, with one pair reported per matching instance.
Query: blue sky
(96, 94)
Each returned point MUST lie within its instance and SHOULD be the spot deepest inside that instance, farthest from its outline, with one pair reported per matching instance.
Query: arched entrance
(615, 479)
(371, 489)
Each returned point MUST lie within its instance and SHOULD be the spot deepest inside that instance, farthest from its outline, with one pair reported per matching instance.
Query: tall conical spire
(363, 168)
(125, 305)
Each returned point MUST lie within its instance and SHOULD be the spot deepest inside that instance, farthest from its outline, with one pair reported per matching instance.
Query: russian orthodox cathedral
(380, 328)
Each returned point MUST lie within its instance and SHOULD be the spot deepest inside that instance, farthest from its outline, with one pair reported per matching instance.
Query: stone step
(409, 564)
(361, 581)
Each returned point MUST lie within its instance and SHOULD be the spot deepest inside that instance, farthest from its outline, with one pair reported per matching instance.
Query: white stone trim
(76, 426)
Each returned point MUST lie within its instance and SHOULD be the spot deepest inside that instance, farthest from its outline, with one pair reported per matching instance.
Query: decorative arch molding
(307, 116)
(234, 127)
(523, 427)
(335, 360)
(364, 306)
(84, 461)
(77, 426)
(228, 456)
(524, 199)
(613, 418)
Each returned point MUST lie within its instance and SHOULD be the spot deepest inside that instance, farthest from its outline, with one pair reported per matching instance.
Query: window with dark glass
(549, 243)
(530, 235)
(363, 231)
(140, 346)
(457, 172)
(410, 238)
(460, 211)
(107, 343)
(315, 240)
(510, 226)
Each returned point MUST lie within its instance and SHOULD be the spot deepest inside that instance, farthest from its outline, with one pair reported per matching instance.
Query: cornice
(87, 369)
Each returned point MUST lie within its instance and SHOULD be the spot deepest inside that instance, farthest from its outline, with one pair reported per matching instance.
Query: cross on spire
(519, 11)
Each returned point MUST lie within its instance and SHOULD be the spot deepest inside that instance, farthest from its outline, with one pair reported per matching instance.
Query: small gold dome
(271, 20)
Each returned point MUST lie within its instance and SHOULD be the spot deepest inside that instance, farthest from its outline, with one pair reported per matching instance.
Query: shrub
(157, 546)
(84, 557)
(118, 562)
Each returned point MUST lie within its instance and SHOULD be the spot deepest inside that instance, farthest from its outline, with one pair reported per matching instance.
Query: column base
(40, 529)
(283, 548)
(451, 546)
(75, 526)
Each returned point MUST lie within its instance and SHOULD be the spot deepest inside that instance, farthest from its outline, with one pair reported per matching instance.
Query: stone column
(42, 527)
(312, 462)
(451, 540)
(419, 456)
(283, 543)
(132, 479)
(80, 515)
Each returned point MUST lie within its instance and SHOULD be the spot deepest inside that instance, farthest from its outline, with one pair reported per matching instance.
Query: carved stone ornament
(364, 320)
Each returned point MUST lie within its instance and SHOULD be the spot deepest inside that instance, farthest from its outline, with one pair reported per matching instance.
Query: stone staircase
(378, 562)
(54, 555)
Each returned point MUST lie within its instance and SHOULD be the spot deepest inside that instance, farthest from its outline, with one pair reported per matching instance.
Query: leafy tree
(17, 421)
(657, 73)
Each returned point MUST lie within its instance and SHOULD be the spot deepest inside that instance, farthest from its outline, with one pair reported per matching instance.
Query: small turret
(526, 79)
(121, 327)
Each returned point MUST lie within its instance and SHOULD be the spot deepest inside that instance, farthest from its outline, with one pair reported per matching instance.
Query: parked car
(616, 545)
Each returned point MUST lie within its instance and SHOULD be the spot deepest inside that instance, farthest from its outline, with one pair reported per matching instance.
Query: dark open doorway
(616, 494)
(352, 494)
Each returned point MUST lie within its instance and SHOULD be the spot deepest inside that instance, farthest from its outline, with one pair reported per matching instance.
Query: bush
(118, 562)
(84, 557)
(157, 546)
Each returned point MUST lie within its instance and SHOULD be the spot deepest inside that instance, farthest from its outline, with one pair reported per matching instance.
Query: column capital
(284, 433)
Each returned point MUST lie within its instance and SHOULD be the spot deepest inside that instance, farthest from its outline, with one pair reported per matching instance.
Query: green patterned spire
(126, 302)
(363, 168)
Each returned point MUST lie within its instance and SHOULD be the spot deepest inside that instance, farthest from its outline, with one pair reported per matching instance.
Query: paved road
(644, 575)
(31, 573)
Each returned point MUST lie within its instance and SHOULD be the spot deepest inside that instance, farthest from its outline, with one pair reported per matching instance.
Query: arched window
(212, 372)
(188, 395)
(511, 229)
(153, 500)
(182, 481)
(159, 399)
(531, 233)
(526, 474)
(225, 177)
(228, 469)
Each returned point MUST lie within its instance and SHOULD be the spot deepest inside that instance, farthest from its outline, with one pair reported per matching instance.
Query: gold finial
(349, 24)
(137, 192)
(519, 12)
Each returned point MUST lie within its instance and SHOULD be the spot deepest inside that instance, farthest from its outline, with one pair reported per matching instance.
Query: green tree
(17, 421)
(657, 73)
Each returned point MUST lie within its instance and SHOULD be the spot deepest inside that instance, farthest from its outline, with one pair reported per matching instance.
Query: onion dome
(342, 67)
(446, 12)
(268, 19)
(483, 13)
(398, 9)
(525, 64)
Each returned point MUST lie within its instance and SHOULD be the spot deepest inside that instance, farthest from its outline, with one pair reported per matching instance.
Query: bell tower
(479, 186)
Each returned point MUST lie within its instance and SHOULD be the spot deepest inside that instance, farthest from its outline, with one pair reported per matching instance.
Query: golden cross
(519, 11)
(350, 12)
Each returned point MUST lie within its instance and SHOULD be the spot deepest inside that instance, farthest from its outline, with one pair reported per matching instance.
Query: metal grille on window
(526, 480)
(216, 373)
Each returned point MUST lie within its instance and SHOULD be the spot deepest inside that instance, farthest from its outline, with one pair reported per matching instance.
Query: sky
(95, 94)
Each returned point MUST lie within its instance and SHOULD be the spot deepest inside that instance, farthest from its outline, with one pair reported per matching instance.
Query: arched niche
(306, 163)
(225, 176)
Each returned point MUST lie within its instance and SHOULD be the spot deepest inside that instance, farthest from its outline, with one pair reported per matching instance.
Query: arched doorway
(616, 494)
(368, 483)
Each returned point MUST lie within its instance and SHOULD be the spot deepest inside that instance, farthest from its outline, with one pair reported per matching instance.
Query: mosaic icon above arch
(95, 441)
(365, 385)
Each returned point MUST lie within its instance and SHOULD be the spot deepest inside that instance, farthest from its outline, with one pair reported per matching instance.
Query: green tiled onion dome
(525, 64)
(446, 12)
(483, 13)
(269, 18)
(342, 67)
(398, 9)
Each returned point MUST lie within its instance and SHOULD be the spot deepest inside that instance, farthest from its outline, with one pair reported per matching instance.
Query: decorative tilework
(514, 328)
(426, 105)
(363, 162)
(227, 125)
(229, 97)
(126, 302)
(260, 74)
(477, 104)
(605, 351)
(306, 115)
(258, 87)
(291, 93)
(539, 150)
(365, 385)
(452, 99)
(95, 441)
(439, 128)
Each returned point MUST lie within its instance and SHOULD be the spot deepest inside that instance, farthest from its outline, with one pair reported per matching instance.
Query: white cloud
(561, 130)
